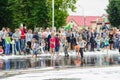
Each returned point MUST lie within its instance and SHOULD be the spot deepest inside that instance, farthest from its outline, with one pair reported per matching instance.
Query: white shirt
(2, 34)
(82, 44)
(28, 37)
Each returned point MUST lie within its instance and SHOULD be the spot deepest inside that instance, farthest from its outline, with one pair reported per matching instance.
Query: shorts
(35, 52)
(110, 41)
(68, 39)
(56, 48)
(77, 48)
(106, 45)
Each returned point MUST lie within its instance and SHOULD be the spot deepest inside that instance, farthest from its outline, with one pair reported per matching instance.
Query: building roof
(79, 20)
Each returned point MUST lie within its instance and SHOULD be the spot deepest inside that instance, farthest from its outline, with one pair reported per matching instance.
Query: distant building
(94, 22)
(81, 21)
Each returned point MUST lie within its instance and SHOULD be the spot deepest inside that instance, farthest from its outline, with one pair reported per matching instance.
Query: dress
(52, 42)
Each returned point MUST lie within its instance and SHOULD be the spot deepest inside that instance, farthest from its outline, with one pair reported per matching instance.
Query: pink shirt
(52, 42)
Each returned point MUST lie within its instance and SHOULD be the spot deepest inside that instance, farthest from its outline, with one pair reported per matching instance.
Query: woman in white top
(29, 37)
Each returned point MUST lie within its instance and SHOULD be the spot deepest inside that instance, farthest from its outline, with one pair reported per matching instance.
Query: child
(66, 48)
(82, 44)
(106, 42)
(7, 44)
(35, 48)
(52, 44)
(42, 47)
(98, 40)
(77, 49)
(103, 42)
(27, 50)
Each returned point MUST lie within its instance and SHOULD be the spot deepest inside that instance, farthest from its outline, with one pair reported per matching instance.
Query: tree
(114, 12)
(5, 14)
(39, 12)
(29, 12)
(61, 13)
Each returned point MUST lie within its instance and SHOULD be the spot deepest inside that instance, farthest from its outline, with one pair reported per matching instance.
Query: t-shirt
(98, 41)
(82, 44)
(16, 36)
(2, 34)
(57, 41)
(8, 40)
(35, 46)
(28, 37)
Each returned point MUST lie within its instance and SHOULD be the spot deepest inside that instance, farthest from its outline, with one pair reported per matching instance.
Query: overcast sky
(91, 7)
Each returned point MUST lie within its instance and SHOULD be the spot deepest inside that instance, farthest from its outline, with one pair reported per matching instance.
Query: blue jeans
(22, 41)
(98, 46)
(35, 52)
(92, 47)
(7, 64)
(115, 45)
(17, 47)
(3, 42)
(42, 49)
(7, 49)
(57, 48)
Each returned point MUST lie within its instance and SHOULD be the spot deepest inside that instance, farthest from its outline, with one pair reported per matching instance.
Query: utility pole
(52, 14)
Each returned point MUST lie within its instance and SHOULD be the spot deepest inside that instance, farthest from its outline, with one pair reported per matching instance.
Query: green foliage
(61, 7)
(5, 14)
(29, 12)
(114, 12)
(34, 12)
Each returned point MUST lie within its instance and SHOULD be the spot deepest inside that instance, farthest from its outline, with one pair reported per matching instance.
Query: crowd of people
(25, 41)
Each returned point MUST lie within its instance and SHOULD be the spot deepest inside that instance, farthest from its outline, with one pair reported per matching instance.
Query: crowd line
(25, 41)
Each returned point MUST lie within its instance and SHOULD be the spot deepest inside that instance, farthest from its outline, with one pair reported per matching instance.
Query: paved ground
(101, 73)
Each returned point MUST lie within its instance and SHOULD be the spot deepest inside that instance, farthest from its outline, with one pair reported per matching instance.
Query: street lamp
(52, 14)
(83, 15)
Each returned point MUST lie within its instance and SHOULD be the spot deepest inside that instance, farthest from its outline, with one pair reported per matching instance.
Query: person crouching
(35, 48)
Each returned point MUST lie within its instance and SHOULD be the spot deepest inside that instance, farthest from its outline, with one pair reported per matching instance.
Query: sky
(90, 7)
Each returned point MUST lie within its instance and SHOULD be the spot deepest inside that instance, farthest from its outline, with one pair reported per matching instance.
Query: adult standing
(16, 38)
(22, 38)
(92, 42)
(68, 35)
(2, 35)
(28, 38)
(111, 39)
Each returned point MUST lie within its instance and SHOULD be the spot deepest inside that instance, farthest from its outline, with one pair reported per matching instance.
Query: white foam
(109, 73)
(90, 54)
